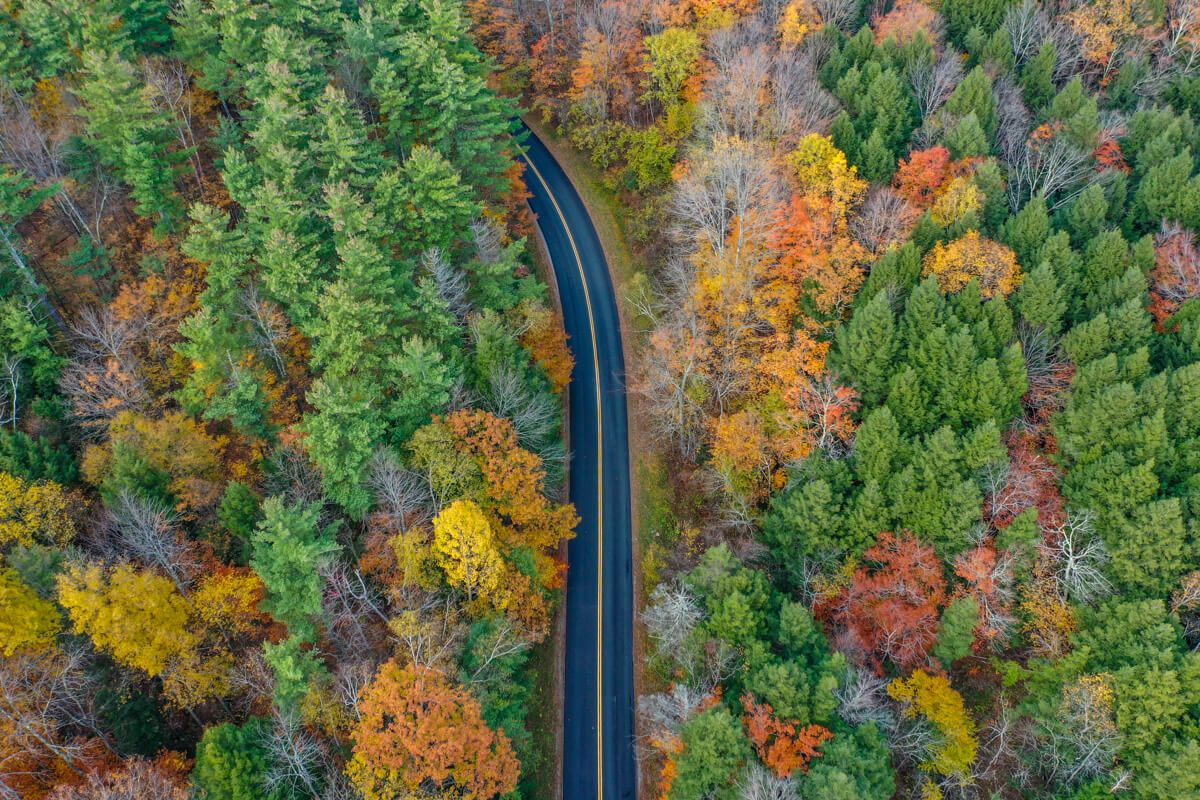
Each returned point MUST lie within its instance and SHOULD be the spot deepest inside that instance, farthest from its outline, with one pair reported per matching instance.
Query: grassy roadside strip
(543, 778)
(646, 469)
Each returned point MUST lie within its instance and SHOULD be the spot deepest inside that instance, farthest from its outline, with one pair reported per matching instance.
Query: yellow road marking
(587, 299)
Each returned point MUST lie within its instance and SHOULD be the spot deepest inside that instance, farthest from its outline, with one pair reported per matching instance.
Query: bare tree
(1057, 169)
(503, 640)
(884, 219)
(136, 779)
(1028, 27)
(168, 81)
(136, 527)
(355, 612)
(293, 476)
(671, 371)
(663, 714)
(671, 616)
(40, 146)
(253, 681)
(1068, 46)
(486, 237)
(402, 496)
(450, 281)
(1079, 556)
(268, 326)
(11, 371)
(1049, 372)
(430, 632)
(103, 376)
(800, 105)
(838, 13)
(350, 680)
(1013, 120)
(862, 697)
(298, 762)
(1082, 741)
(933, 79)
(735, 94)
(1178, 55)
(46, 715)
(759, 783)
(533, 413)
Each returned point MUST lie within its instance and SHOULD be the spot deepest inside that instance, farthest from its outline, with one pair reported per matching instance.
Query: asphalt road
(598, 759)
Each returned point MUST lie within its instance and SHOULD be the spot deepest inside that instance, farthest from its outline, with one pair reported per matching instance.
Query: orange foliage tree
(546, 341)
(515, 482)
(907, 19)
(1176, 273)
(890, 608)
(783, 745)
(416, 731)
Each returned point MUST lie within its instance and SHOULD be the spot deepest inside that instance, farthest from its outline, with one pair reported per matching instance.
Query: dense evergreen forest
(923, 353)
(280, 454)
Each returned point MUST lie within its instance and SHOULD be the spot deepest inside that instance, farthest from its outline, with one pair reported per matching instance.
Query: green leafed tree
(288, 549)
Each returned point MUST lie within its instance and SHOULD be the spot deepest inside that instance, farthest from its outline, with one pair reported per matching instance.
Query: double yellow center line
(587, 298)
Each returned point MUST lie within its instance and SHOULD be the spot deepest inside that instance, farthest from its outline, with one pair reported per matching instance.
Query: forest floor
(646, 462)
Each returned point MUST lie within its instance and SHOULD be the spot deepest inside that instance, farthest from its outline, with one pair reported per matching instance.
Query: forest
(917, 347)
(280, 450)
(919, 342)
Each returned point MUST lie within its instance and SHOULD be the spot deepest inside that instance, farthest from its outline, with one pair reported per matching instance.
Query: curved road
(598, 757)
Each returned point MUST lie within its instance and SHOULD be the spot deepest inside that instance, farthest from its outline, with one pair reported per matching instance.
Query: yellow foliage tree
(972, 257)
(932, 697)
(799, 18)
(33, 512)
(823, 172)
(959, 198)
(137, 616)
(174, 443)
(467, 551)
(228, 600)
(742, 452)
(27, 622)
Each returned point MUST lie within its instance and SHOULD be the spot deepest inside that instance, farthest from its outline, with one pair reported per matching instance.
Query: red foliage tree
(890, 609)
(1030, 481)
(919, 177)
(987, 576)
(1176, 273)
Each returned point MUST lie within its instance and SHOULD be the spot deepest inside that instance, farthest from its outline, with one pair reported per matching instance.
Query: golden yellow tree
(33, 512)
(973, 257)
(467, 551)
(27, 622)
(932, 697)
(823, 172)
(137, 616)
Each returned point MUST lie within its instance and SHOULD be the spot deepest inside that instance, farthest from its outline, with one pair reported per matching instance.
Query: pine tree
(866, 348)
(1027, 230)
(288, 548)
(1037, 76)
(974, 95)
(1042, 300)
(1087, 215)
(967, 139)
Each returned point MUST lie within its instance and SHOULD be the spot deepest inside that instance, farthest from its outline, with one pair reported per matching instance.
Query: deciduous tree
(415, 729)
